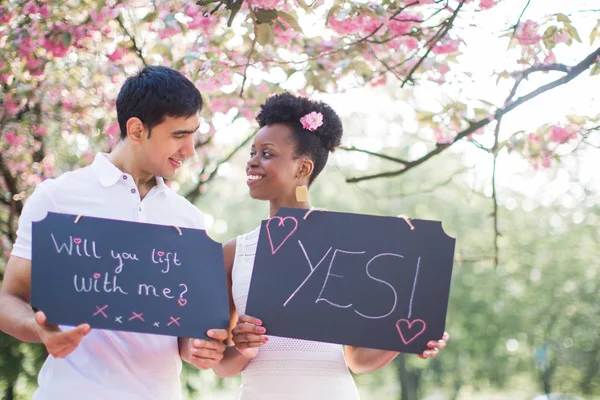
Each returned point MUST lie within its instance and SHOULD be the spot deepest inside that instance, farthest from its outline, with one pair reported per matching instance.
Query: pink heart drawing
(410, 332)
(281, 224)
(77, 240)
(96, 275)
(182, 302)
(160, 253)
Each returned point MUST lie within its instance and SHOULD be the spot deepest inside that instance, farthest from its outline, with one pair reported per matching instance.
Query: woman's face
(274, 170)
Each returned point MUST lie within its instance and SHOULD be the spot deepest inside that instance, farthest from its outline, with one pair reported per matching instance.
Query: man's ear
(135, 129)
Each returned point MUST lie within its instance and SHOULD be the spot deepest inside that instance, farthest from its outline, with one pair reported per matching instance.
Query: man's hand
(58, 343)
(206, 354)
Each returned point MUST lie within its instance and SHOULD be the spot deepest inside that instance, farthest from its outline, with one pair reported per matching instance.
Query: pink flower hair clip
(312, 121)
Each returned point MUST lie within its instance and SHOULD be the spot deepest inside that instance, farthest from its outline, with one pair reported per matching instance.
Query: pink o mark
(281, 224)
(411, 333)
(77, 240)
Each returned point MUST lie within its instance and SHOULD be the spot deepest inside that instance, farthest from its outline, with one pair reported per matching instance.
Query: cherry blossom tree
(63, 62)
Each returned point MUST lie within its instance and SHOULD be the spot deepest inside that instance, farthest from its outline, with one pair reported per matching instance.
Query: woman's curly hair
(286, 108)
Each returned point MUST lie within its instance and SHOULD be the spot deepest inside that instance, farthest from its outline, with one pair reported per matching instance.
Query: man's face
(163, 150)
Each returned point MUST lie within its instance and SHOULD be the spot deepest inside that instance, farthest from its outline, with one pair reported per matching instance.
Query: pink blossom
(369, 24)
(57, 49)
(117, 54)
(379, 81)
(205, 23)
(44, 11)
(561, 37)
(12, 139)
(11, 107)
(527, 33)
(284, 37)
(426, 1)
(451, 46)
(486, 4)
(312, 121)
(26, 46)
(39, 130)
(34, 63)
(560, 135)
(30, 8)
(546, 159)
(168, 31)
(441, 136)
(550, 58)
(345, 27)
(403, 23)
(113, 129)
(5, 17)
(191, 10)
(266, 4)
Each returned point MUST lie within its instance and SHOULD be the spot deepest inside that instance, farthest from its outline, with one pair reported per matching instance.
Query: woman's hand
(434, 347)
(248, 335)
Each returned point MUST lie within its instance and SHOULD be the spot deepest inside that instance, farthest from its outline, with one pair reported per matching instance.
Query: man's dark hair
(154, 93)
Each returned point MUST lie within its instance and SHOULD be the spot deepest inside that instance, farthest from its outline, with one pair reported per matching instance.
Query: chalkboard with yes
(128, 276)
(352, 279)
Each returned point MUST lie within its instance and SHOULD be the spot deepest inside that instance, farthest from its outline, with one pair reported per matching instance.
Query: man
(158, 113)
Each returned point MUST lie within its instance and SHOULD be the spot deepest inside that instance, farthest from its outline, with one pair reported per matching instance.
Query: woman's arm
(244, 329)
(362, 360)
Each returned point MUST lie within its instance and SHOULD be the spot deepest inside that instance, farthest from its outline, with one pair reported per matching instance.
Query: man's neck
(124, 158)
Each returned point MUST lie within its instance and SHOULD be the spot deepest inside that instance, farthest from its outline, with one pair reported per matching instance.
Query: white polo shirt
(109, 365)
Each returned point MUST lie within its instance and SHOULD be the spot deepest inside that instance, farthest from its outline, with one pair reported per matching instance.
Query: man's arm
(18, 319)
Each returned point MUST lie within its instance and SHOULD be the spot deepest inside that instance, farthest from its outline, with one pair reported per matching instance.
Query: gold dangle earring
(301, 193)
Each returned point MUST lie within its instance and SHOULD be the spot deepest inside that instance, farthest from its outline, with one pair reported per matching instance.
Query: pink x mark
(100, 310)
(136, 315)
(174, 321)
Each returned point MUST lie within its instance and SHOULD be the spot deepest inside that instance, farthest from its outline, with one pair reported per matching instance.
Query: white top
(287, 368)
(108, 364)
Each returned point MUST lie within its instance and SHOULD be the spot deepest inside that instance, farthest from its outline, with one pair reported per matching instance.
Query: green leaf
(572, 32)
(151, 16)
(66, 39)
(595, 32)
(595, 69)
(264, 34)
(562, 18)
(291, 21)
(548, 37)
(264, 16)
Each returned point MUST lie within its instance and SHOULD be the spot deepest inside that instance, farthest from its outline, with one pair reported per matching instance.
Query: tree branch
(134, 44)
(432, 42)
(194, 193)
(574, 71)
(515, 26)
(248, 60)
(371, 153)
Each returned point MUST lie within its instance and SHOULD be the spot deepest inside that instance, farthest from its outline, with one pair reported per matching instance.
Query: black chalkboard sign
(352, 279)
(128, 276)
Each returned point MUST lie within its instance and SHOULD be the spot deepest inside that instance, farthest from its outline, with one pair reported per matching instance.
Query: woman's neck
(275, 205)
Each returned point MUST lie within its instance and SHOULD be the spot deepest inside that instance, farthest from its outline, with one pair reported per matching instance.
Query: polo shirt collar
(108, 174)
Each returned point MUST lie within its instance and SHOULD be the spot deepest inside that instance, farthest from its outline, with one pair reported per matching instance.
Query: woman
(289, 151)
